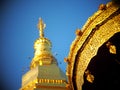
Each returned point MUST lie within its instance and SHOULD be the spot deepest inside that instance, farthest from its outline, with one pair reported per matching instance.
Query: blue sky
(18, 31)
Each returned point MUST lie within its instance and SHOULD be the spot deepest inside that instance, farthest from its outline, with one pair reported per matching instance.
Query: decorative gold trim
(92, 29)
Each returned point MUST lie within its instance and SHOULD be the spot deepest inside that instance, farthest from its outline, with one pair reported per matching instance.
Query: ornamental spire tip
(41, 27)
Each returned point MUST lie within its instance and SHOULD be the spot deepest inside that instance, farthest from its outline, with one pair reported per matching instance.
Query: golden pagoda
(44, 73)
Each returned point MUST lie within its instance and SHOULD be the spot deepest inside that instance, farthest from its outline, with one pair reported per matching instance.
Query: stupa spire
(42, 46)
(41, 27)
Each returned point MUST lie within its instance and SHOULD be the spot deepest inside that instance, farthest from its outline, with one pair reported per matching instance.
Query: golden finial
(41, 27)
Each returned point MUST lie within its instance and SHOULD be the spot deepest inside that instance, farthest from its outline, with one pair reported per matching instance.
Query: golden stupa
(44, 73)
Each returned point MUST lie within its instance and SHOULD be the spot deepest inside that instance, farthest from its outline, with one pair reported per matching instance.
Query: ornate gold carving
(78, 32)
(102, 7)
(112, 48)
(89, 76)
(51, 81)
(66, 60)
(98, 29)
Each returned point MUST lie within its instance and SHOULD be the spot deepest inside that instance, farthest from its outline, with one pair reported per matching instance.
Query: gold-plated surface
(44, 73)
(42, 46)
(44, 76)
(98, 29)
